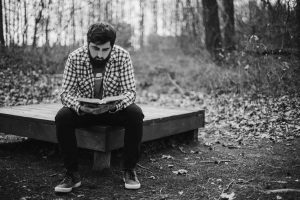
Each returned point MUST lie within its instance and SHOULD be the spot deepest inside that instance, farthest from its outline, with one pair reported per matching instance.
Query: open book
(95, 102)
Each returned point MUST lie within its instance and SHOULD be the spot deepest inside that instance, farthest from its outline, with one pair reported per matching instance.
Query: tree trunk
(37, 21)
(9, 23)
(177, 21)
(2, 42)
(193, 18)
(73, 22)
(252, 15)
(24, 35)
(164, 16)
(60, 8)
(82, 25)
(106, 11)
(18, 10)
(154, 11)
(298, 29)
(122, 9)
(212, 27)
(99, 10)
(228, 17)
(13, 23)
(6, 22)
(142, 9)
(47, 25)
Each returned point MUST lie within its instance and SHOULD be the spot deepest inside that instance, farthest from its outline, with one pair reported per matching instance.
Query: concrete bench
(37, 122)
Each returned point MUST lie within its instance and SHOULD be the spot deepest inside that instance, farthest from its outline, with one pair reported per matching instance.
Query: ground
(30, 170)
(249, 149)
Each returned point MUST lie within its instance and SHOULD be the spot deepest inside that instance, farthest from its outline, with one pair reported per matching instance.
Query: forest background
(177, 46)
(236, 59)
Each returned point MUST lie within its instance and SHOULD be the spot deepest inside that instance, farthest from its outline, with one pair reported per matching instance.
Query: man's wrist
(112, 108)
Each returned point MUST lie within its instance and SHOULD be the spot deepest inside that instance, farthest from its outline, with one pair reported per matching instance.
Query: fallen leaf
(194, 152)
(181, 149)
(25, 198)
(167, 157)
(180, 172)
(225, 196)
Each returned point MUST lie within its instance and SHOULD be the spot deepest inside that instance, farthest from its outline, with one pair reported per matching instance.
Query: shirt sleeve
(70, 91)
(127, 84)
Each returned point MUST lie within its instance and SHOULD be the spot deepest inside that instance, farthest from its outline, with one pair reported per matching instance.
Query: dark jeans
(131, 118)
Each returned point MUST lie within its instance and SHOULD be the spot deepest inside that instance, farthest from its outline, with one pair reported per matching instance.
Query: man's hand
(97, 110)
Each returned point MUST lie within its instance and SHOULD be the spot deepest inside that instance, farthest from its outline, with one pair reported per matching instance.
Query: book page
(101, 101)
(113, 98)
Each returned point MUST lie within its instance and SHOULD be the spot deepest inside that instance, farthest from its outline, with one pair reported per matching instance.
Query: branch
(226, 189)
(175, 84)
(281, 191)
(214, 161)
(141, 166)
(228, 186)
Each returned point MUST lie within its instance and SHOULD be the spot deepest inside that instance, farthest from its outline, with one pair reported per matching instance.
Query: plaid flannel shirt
(78, 79)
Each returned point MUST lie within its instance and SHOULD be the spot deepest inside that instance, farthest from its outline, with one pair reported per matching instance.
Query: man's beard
(97, 62)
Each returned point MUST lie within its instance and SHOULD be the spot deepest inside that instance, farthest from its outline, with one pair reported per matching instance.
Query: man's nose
(100, 54)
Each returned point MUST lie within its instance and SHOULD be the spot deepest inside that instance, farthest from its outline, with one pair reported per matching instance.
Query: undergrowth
(238, 73)
(172, 71)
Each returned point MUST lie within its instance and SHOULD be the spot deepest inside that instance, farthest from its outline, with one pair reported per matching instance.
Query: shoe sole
(132, 187)
(66, 190)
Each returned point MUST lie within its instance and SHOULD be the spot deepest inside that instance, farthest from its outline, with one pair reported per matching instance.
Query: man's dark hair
(100, 33)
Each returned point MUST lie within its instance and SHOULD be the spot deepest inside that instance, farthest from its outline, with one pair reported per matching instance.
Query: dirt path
(30, 170)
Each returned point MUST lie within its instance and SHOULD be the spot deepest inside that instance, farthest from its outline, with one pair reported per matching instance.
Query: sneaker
(130, 179)
(70, 181)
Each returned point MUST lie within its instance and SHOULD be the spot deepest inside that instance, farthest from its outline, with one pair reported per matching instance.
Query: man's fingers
(97, 110)
(100, 110)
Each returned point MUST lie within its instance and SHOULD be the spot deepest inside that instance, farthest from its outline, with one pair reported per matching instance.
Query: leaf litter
(231, 120)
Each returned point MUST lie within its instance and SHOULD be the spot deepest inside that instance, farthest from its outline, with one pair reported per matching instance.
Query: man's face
(99, 52)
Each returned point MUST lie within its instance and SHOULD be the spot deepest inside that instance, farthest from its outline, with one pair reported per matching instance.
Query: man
(100, 69)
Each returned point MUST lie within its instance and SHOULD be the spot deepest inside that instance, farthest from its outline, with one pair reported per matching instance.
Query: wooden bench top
(37, 121)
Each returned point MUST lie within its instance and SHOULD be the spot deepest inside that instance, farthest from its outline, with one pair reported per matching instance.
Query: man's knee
(134, 114)
(65, 116)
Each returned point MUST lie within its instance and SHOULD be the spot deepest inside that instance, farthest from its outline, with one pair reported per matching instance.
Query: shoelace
(131, 175)
(66, 179)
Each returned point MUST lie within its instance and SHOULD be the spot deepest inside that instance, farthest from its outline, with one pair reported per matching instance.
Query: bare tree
(24, 34)
(122, 9)
(142, 16)
(82, 25)
(99, 10)
(192, 18)
(38, 18)
(73, 22)
(252, 15)
(47, 23)
(177, 17)
(154, 11)
(9, 22)
(13, 22)
(2, 42)
(106, 11)
(164, 16)
(6, 22)
(298, 29)
(59, 13)
(228, 17)
(212, 27)
(18, 21)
